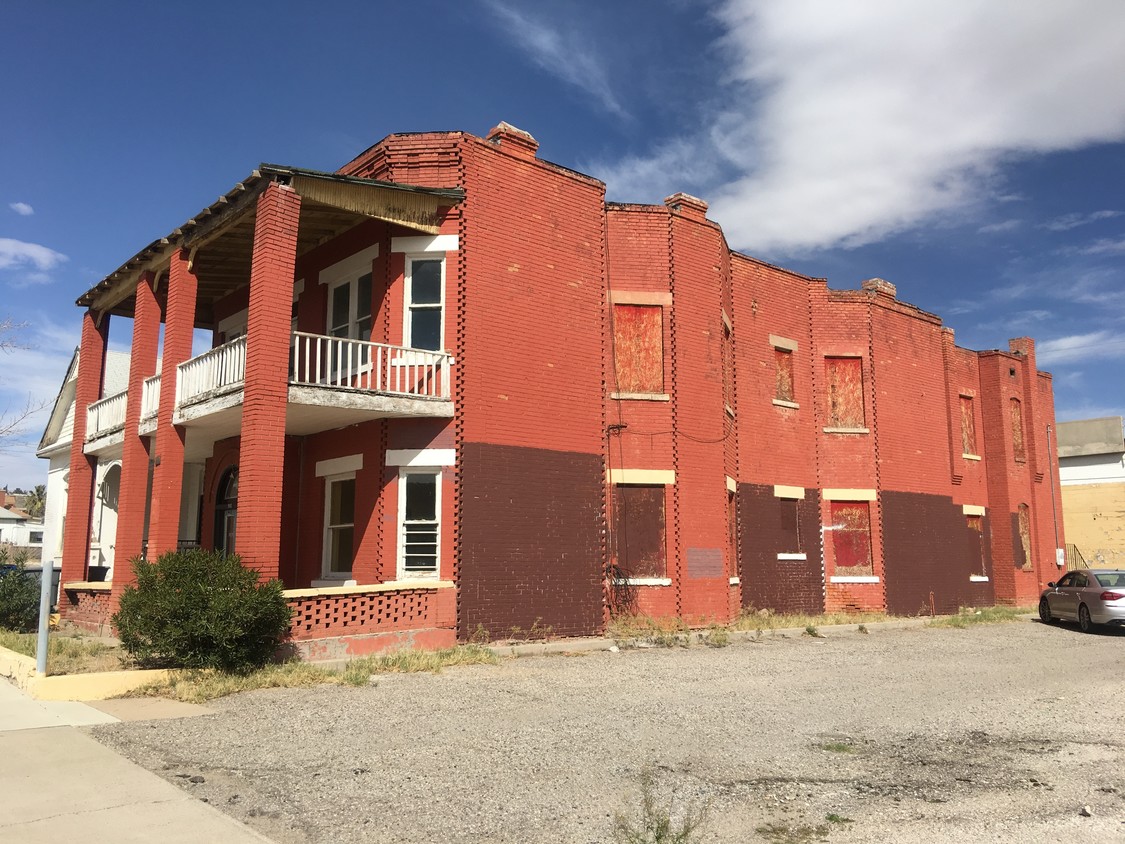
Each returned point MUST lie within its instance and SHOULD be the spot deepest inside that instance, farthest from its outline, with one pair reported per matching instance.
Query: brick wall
(795, 586)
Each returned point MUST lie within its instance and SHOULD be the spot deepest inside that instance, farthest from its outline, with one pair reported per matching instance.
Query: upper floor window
(349, 314)
(783, 370)
(845, 392)
(1016, 415)
(638, 348)
(968, 426)
(425, 293)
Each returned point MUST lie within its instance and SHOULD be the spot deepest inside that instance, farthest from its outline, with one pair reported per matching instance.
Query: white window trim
(352, 463)
(428, 244)
(327, 576)
(850, 495)
(782, 491)
(972, 509)
(734, 581)
(234, 326)
(418, 457)
(407, 298)
(783, 343)
(978, 578)
(400, 521)
(642, 477)
(856, 579)
(792, 557)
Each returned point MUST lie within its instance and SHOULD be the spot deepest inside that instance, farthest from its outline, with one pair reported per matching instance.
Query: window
(845, 392)
(419, 502)
(35, 537)
(226, 511)
(851, 538)
(790, 521)
(1023, 550)
(975, 524)
(728, 366)
(349, 313)
(425, 283)
(638, 531)
(783, 366)
(339, 525)
(968, 426)
(638, 348)
(1016, 415)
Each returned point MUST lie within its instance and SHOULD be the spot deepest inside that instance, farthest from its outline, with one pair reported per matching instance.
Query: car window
(1065, 580)
(1112, 578)
(1079, 580)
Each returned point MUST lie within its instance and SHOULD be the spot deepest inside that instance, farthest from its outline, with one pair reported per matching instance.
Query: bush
(19, 593)
(201, 609)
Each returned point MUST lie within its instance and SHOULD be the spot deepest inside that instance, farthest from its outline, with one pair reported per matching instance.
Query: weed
(783, 834)
(810, 630)
(656, 824)
(359, 671)
(640, 626)
(66, 654)
(716, 636)
(480, 636)
(862, 629)
(832, 817)
(540, 631)
(967, 616)
(752, 619)
(837, 747)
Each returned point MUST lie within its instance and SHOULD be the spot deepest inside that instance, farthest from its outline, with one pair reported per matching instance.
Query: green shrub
(201, 609)
(19, 593)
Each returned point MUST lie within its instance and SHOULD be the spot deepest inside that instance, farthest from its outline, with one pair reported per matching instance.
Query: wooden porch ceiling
(221, 237)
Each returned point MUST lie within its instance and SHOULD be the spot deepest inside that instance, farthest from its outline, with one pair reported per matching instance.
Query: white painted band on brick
(332, 582)
(421, 456)
(389, 586)
(850, 495)
(640, 297)
(640, 396)
(847, 430)
(971, 456)
(434, 243)
(339, 465)
(853, 580)
(732, 484)
(977, 578)
(972, 509)
(782, 491)
(649, 581)
(642, 476)
(784, 557)
(726, 320)
(783, 343)
(734, 581)
(356, 264)
(784, 403)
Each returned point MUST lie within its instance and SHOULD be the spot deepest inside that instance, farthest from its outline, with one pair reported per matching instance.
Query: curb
(94, 686)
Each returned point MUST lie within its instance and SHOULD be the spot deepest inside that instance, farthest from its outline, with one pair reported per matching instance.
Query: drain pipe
(1059, 559)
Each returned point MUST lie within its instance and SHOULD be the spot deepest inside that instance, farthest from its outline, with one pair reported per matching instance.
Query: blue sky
(973, 154)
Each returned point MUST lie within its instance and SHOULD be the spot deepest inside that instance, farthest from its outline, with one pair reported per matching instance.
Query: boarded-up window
(1016, 413)
(638, 525)
(851, 538)
(732, 529)
(783, 364)
(1024, 518)
(976, 541)
(638, 348)
(845, 392)
(790, 522)
(728, 367)
(968, 426)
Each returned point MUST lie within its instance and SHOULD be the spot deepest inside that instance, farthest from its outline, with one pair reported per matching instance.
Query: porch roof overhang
(220, 238)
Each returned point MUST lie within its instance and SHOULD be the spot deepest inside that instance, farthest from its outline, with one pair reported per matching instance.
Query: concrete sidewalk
(59, 784)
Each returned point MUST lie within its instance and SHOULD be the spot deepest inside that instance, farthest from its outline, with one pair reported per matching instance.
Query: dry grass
(67, 654)
(767, 620)
(968, 616)
(204, 685)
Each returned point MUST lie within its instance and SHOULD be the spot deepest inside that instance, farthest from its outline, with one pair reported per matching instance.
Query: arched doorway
(226, 511)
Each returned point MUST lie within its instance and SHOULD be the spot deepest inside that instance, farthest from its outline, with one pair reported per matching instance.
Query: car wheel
(1085, 623)
(1045, 611)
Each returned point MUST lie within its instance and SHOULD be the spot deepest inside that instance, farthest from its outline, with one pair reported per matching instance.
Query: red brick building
(453, 389)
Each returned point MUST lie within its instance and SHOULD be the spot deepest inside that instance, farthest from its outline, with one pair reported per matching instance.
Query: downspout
(1054, 507)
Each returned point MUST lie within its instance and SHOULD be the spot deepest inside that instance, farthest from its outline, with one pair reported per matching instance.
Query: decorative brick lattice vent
(319, 616)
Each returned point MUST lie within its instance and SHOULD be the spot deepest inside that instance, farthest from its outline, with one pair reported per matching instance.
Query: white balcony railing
(150, 398)
(217, 371)
(105, 416)
(338, 362)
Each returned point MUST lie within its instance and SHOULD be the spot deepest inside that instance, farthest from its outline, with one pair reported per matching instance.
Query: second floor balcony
(333, 382)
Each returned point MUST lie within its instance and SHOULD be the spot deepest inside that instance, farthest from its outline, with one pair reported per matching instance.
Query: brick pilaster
(262, 449)
(168, 472)
(80, 489)
(133, 496)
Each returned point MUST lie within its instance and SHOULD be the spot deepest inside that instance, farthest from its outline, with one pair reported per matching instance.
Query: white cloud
(1105, 246)
(31, 262)
(846, 122)
(999, 228)
(21, 208)
(1072, 221)
(1080, 348)
(562, 53)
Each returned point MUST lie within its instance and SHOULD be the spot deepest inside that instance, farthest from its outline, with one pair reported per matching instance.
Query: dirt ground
(998, 733)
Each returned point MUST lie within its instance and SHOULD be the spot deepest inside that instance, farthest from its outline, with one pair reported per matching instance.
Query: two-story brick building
(453, 389)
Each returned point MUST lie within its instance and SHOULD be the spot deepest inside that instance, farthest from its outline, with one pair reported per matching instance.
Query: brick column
(262, 447)
(168, 473)
(133, 498)
(80, 488)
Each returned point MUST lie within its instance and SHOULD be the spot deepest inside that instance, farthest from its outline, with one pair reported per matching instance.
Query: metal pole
(46, 581)
(1054, 512)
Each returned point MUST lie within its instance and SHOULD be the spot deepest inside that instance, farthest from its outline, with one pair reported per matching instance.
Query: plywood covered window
(976, 540)
(845, 392)
(1023, 516)
(968, 426)
(732, 528)
(783, 369)
(1016, 416)
(851, 538)
(638, 348)
(728, 367)
(639, 530)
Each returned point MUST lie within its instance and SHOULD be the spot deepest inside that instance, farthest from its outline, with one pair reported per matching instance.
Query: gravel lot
(995, 733)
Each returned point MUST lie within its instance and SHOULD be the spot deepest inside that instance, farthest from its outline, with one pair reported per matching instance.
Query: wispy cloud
(999, 228)
(28, 263)
(21, 208)
(1081, 348)
(564, 53)
(855, 121)
(1105, 246)
(1072, 221)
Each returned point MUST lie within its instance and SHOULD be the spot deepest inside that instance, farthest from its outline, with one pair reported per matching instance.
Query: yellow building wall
(1094, 520)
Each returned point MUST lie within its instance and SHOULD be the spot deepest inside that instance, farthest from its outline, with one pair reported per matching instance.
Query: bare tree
(12, 422)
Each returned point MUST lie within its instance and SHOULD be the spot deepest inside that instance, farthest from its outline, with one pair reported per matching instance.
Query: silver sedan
(1088, 596)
